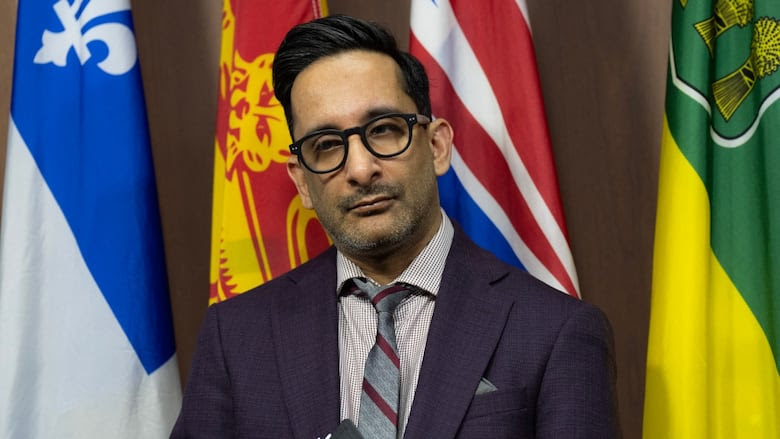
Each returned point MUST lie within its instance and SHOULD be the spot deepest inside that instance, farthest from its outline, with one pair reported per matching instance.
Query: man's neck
(384, 270)
(384, 267)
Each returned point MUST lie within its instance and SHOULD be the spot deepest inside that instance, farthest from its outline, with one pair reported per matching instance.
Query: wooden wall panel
(178, 46)
(394, 15)
(602, 68)
(7, 30)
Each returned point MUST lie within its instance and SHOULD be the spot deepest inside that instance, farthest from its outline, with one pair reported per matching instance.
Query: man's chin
(371, 242)
(373, 226)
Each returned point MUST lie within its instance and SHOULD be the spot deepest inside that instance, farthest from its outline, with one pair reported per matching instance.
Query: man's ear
(297, 175)
(441, 145)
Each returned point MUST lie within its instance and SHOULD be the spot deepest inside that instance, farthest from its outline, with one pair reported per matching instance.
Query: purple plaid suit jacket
(267, 365)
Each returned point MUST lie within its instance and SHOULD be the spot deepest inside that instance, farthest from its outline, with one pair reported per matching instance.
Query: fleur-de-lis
(118, 38)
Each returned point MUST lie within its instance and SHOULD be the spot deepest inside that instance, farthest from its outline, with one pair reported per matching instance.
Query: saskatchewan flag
(714, 344)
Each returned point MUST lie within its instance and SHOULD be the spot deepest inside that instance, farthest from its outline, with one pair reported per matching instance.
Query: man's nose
(362, 167)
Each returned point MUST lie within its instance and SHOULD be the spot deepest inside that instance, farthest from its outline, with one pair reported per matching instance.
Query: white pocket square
(485, 386)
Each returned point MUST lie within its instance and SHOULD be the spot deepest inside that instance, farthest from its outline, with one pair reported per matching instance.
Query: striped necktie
(378, 417)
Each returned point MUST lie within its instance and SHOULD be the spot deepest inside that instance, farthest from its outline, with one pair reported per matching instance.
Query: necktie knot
(383, 298)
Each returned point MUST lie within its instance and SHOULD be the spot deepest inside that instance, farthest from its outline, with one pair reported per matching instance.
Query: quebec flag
(86, 341)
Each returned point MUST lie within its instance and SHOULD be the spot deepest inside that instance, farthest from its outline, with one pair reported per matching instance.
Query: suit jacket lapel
(465, 329)
(306, 343)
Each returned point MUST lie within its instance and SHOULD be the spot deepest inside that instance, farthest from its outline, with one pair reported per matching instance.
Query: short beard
(352, 242)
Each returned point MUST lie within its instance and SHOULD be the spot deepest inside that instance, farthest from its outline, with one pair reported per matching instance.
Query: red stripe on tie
(380, 403)
(353, 289)
(388, 350)
(386, 292)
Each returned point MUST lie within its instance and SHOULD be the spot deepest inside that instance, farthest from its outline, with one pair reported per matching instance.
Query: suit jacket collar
(305, 325)
(464, 332)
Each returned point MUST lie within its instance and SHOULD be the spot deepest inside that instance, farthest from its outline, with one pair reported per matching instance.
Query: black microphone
(346, 430)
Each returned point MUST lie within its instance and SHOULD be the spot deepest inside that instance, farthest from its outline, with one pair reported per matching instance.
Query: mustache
(374, 190)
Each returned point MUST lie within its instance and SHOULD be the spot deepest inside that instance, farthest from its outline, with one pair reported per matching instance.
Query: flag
(259, 227)
(87, 347)
(714, 344)
(502, 187)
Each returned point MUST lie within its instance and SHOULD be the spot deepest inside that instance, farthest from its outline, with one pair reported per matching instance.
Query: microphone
(345, 430)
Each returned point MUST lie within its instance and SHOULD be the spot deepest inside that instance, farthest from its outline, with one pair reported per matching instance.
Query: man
(474, 348)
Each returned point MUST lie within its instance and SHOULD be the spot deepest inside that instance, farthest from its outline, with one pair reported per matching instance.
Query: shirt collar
(424, 272)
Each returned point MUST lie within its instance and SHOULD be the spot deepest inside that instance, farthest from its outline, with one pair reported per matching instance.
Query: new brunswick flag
(259, 227)
(714, 345)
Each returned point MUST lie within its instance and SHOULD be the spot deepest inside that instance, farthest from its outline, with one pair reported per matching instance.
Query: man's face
(371, 206)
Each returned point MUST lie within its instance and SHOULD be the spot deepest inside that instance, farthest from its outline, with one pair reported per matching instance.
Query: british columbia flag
(502, 187)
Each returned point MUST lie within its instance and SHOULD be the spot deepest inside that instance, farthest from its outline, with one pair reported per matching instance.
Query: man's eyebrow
(370, 114)
(379, 111)
(325, 126)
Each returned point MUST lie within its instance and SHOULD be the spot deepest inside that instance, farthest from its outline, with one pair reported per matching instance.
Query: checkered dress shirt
(357, 323)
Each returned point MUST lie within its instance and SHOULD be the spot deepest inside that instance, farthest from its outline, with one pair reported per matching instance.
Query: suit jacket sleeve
(577, 394)
(207, 410)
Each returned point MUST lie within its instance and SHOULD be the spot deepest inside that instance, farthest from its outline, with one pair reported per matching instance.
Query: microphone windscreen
(346, 430)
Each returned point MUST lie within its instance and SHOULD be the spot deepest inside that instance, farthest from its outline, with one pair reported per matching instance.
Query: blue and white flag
(86, 341)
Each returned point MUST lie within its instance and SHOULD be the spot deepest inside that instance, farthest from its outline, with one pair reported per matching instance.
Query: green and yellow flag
(714, 344)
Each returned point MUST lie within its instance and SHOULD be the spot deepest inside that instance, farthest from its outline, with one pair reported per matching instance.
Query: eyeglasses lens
(386, 137)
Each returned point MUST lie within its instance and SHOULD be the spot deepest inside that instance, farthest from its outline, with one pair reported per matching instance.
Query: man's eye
(327, 144)
(385, 129)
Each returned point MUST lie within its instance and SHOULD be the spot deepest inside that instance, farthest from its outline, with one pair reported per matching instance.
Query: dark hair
(327, 36)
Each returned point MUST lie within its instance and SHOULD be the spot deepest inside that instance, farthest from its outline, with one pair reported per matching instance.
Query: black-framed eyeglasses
(384, 136)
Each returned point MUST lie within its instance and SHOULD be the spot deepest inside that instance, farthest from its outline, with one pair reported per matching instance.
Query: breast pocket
(499, 414)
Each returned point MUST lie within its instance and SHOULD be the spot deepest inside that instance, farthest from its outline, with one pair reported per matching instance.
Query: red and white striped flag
(502, 187)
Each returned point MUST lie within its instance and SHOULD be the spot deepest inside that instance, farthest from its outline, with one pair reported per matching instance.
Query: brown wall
(7, 27)
(602, 67)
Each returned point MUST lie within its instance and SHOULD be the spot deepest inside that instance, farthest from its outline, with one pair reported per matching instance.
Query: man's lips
(370, 200)
(370, 205)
